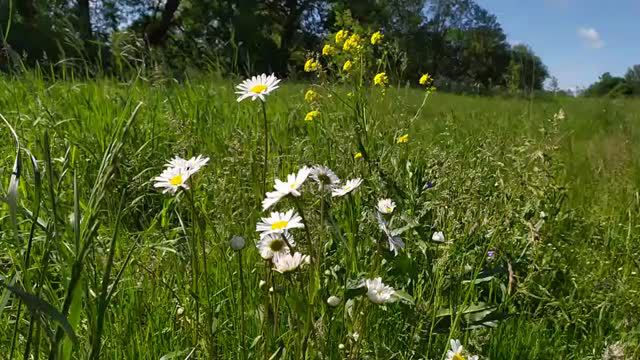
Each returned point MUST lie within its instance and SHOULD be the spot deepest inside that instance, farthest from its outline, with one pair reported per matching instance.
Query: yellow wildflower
(341, 36)
(381, 79)
(328, 50)
(310, 96)
(311, 115)
(403, 139)
(353, 43)
(376, 38)
(425, 79)
(347, 66)
(357, 155)
(311, 65)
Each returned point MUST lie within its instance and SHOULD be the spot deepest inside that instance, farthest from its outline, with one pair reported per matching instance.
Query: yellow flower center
(258, 89)
(457, 357)
(176, 180)
(279, 225)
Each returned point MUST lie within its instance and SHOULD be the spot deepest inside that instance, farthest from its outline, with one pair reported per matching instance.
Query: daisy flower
(172, 179)
(378, 292)
(282, 189)
(278, 223)
(324, 177)
(191, 166)
(386, 206)
(348, 187)
(456, 352)
(288, 263)
(273, 246)
(257, 87)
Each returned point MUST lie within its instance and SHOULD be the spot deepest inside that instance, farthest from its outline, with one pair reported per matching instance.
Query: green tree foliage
(533, 72)
(457, 41)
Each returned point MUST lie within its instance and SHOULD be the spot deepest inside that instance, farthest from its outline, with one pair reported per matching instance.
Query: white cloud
(591, 37)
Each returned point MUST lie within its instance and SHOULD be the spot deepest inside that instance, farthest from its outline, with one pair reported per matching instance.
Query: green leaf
(404, 296)
(37, 305)
(355, 288)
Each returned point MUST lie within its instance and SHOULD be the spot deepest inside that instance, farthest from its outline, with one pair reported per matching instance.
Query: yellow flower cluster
(381, 79)
(353, 43)
(376, 38)
(426, 79)
(311, 65)
(403, 139)
(312, 115)
(357, 155)
(347, 66)
(341, 36)
(328, 50)
(310, 96)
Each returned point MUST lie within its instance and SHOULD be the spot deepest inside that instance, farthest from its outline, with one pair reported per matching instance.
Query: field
(540, 217)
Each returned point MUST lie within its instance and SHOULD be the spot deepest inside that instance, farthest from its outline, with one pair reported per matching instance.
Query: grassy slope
(494, 170)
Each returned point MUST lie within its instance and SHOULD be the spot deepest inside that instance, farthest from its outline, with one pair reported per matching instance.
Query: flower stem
(266, 147)
(242, 307)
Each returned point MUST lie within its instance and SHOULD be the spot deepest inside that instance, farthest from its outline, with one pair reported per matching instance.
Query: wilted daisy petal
(288, 263)
(191, 166)
(282, 189)
(395, 241)
(257, 87)
(324, 177)
(348, 187)
(274, 245)
(378, 292)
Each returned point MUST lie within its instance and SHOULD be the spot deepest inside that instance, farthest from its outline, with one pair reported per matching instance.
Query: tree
(533, 72)
(553, 85)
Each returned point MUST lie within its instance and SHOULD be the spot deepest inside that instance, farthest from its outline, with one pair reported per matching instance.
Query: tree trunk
(84, 19)
(156, 32)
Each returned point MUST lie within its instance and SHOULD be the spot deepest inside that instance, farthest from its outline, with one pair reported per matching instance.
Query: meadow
(539, 214)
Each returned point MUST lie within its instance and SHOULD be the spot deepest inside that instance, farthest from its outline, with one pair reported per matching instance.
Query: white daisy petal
(348, 187)
(257, 87)
(378, 292)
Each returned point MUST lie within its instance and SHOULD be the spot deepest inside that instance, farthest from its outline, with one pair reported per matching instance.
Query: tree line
(616, 86)
(457, 41)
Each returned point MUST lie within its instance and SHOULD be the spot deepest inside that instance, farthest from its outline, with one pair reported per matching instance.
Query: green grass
(496, 165)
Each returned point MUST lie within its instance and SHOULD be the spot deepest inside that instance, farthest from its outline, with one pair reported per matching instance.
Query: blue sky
(578, 40)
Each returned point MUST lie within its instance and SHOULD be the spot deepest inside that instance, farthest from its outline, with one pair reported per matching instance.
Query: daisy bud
(237, 243)
(333, 301)
(341, 346)
(438, 236)
(261, 284)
